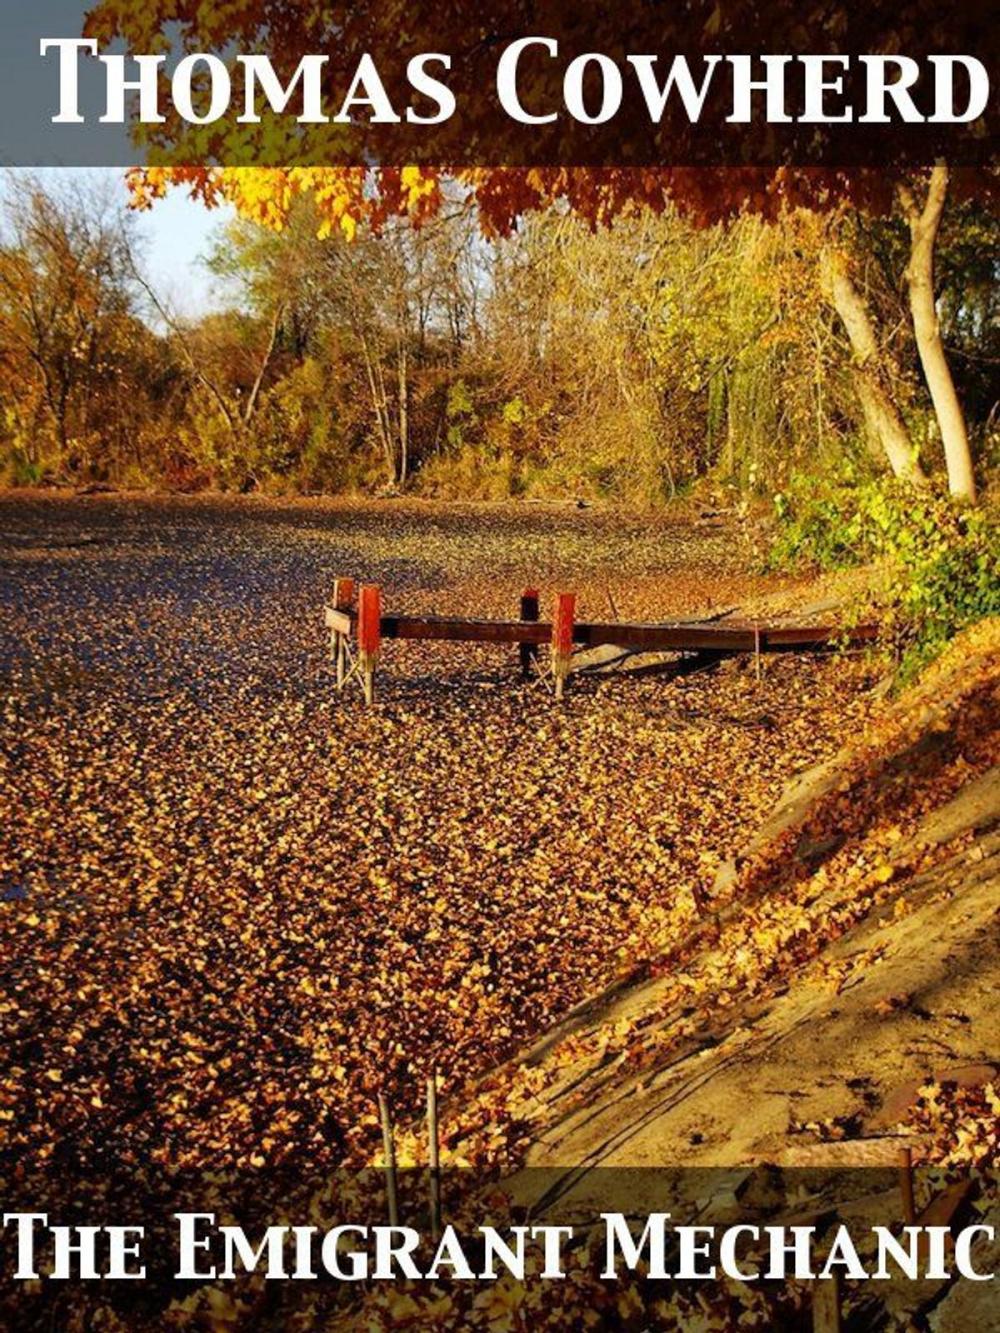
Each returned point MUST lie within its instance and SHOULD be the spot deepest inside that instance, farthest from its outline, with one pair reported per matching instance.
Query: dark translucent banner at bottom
(739, 1248)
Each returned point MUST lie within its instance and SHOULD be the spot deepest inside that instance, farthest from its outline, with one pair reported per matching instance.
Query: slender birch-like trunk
(924, 225)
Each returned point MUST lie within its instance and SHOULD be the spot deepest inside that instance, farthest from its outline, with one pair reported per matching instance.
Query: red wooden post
(562, 638)
(343, 594)
(369, 635)
(343, 600)
(529, 612)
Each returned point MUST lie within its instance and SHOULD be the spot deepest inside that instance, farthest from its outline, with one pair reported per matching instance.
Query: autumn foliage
(236, 906)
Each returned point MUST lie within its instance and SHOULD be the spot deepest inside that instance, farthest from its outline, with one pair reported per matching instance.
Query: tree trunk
(380, 408)
(924, 224)
(404, 417)
(265, 361)
(882, 418)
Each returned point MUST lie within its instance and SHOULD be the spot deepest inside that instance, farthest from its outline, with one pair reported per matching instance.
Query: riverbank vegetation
(631, 362)
(786, 367)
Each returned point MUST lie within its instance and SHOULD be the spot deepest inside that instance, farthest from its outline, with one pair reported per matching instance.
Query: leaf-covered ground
(844, 980)
(233, 905)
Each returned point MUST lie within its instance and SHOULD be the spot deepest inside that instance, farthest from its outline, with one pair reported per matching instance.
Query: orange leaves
(242, 906)
(296, 901)
(960, 1125)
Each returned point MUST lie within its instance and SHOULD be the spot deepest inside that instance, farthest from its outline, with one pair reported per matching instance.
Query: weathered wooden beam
(341, 622)
(780, 637)
(944, 1207)
(434, 1156)
(343, 594)
(461, 630)
(389, 1153)
(909, 1207)
(826, 1317)
(690, 637)
(663, 638)
(693, 637)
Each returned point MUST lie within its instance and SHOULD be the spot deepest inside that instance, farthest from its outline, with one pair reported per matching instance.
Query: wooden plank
(340, 621)
(369, 636)
(562, 639)
(906, 1187)
(458, 630)
(664, 638)
(693, 637)
(369, 620)
(688, 637)
(780, 637)
(563, 626)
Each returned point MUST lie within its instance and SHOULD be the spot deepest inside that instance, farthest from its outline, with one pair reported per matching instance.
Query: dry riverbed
(233, 905)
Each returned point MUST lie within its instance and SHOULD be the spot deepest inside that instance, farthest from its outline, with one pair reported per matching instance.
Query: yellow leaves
(500, 1303)
(440, 1307)
(629, 1304)
(414, 902)
(346, 222)
(267, 904)
(214, 1307)
(418, 186)
(959, 1125)
(339, 195)
(267, 195)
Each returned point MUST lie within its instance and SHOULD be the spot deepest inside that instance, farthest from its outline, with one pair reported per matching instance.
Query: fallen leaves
(960, 1125)
(254, 903)
(779, 916)
(244, 905)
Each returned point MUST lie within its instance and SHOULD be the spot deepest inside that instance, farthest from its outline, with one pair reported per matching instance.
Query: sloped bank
(848, 959)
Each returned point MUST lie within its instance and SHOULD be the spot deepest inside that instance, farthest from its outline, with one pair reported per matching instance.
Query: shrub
(20, 470)
(942, 558)
(469, 473)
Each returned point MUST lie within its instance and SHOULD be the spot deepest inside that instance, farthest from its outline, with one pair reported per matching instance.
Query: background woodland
(630, 362)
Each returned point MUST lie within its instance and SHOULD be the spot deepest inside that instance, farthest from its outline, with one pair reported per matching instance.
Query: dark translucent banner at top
(715, 83)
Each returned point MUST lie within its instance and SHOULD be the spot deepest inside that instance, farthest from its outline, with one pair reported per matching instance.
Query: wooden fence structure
(358, 627)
